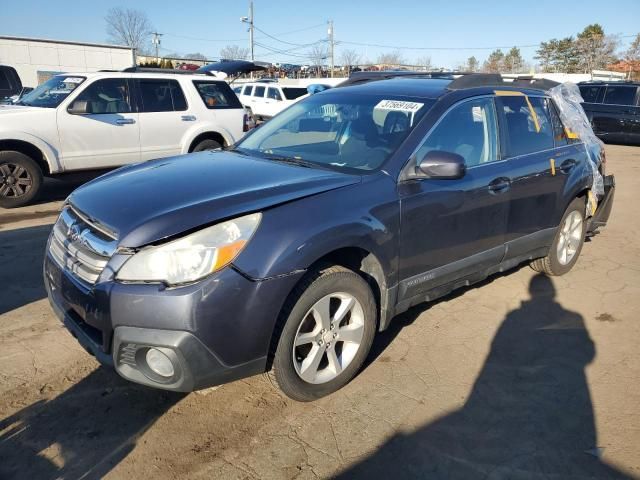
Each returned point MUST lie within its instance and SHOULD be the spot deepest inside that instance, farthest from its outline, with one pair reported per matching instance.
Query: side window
(216, 95)
(559, 133)
(246, 90)
(469, 129)
(619, 95)
(591, 94)
(273, 93)
(159, 95)
(110, 95)
(258, 92)
(527, 123)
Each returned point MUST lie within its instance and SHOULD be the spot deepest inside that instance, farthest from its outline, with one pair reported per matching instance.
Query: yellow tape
(571, 134)
(533, 114)
(552, 162)
(508, 93)
(592, 203)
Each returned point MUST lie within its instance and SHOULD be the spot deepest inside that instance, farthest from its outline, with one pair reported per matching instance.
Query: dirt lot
(520, 377)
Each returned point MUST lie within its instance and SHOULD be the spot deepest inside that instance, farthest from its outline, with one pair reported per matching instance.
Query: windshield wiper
(290, 160)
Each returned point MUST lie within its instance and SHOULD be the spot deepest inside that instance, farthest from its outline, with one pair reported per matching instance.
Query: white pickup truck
(84, 121)
(266, 99)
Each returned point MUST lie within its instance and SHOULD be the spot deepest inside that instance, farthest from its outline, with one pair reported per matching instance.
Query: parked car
(613, 109)
(10, 84)
(83, 121)
(289, 251)
(266, 99)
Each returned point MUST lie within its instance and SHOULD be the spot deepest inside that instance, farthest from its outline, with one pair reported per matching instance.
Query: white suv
(267, 99)
(106, 119)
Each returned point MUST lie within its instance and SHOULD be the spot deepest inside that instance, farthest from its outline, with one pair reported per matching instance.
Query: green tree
(513, 61)
(594, 49)
(472, 64)
(495, 62)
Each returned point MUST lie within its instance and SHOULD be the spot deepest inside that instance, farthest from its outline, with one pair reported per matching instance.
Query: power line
(282, 41)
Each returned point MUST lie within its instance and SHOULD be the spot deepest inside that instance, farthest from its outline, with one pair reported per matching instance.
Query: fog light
(159, 363)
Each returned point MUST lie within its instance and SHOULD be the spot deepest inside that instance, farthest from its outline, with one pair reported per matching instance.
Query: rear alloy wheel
(20, 179)
(330, 322)
(567, 244)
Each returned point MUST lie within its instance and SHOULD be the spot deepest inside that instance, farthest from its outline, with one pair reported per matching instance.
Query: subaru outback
(288, 251)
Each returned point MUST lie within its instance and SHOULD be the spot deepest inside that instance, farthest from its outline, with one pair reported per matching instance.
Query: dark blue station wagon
(288, 251)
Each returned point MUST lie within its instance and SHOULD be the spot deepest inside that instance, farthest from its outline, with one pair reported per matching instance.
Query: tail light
(245, 123)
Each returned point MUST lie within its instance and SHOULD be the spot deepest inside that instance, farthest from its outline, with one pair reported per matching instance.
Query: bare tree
(127, 26)
(318, 56)
(234, 52)
(350, 58)
(472, 64)
(390, 59)
(424, 63)
(632, 54)
(195, 56)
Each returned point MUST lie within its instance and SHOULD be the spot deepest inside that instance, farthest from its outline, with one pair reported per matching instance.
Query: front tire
(327, 332)
(567, 244)
(20, 179)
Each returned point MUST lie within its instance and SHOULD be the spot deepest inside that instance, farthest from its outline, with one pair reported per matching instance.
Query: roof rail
(163, 70)
(364, 77)
(473, 80)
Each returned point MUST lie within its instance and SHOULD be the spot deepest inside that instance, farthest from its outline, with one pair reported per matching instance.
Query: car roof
(432, 88)
(115, 73)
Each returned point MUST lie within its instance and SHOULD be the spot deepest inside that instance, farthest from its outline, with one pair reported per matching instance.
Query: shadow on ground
(21, 255)
(529, 414)
(82, 433)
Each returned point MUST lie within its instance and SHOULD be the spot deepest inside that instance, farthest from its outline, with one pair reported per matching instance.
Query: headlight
(194, 256)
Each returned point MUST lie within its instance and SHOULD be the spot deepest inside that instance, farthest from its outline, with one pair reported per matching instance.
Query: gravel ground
(519, 377)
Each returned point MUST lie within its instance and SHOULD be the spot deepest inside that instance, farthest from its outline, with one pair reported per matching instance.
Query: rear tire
(567, 244)
(206, 144)
(20, 179)
(340, 346)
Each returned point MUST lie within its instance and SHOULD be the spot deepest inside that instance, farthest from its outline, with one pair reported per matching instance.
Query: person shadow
(529, 414)
(82, 433)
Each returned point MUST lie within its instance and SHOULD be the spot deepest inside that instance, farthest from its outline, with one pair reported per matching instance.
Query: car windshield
(51, 93)
(340, 130)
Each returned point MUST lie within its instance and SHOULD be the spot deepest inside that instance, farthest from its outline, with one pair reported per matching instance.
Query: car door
(108, 135)
(257, 102)
(164, 117)
(615, 118)
(273, 101)
(538, 170)
(454, 228)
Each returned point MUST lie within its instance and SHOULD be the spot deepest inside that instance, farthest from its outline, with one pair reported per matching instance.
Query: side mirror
(80, 107)
(442, 165)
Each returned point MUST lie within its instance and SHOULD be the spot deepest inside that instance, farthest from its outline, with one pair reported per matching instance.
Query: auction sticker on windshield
(399, 105)
(73, 80)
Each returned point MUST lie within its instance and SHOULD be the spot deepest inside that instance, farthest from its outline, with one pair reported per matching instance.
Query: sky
(447, 31)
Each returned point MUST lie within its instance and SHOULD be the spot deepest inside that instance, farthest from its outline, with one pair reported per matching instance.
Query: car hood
(150, 201)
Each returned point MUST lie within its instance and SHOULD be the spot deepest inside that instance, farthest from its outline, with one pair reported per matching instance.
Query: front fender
(190, 135)
(294, 236)
(49, 152)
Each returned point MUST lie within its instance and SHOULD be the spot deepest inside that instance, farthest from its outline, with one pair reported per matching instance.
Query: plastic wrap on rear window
(568, 100)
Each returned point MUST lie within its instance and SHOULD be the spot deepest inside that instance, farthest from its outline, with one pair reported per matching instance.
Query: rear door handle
(125, 121)
(188, 118)
(567, 165)
(499, 185)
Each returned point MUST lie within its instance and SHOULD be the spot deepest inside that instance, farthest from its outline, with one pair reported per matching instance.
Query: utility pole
(331, 45)
(249, 20)
(156, 41)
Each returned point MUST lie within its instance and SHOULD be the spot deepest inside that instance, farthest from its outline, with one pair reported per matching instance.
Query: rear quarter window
(216, 95)
(620, 95)
(291, 93)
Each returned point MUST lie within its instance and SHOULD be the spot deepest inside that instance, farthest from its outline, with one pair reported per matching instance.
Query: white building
(37, 59)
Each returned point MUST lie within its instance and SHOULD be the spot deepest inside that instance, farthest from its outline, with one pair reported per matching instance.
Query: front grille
(80, 247)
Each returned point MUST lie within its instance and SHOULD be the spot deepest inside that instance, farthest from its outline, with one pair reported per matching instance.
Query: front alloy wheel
(328, 338)
(15, 180)
(325, 332)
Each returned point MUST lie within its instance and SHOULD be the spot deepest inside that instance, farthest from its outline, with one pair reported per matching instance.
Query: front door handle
(499, 185)
(188, 118)
(125, 121)
(567, 165)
